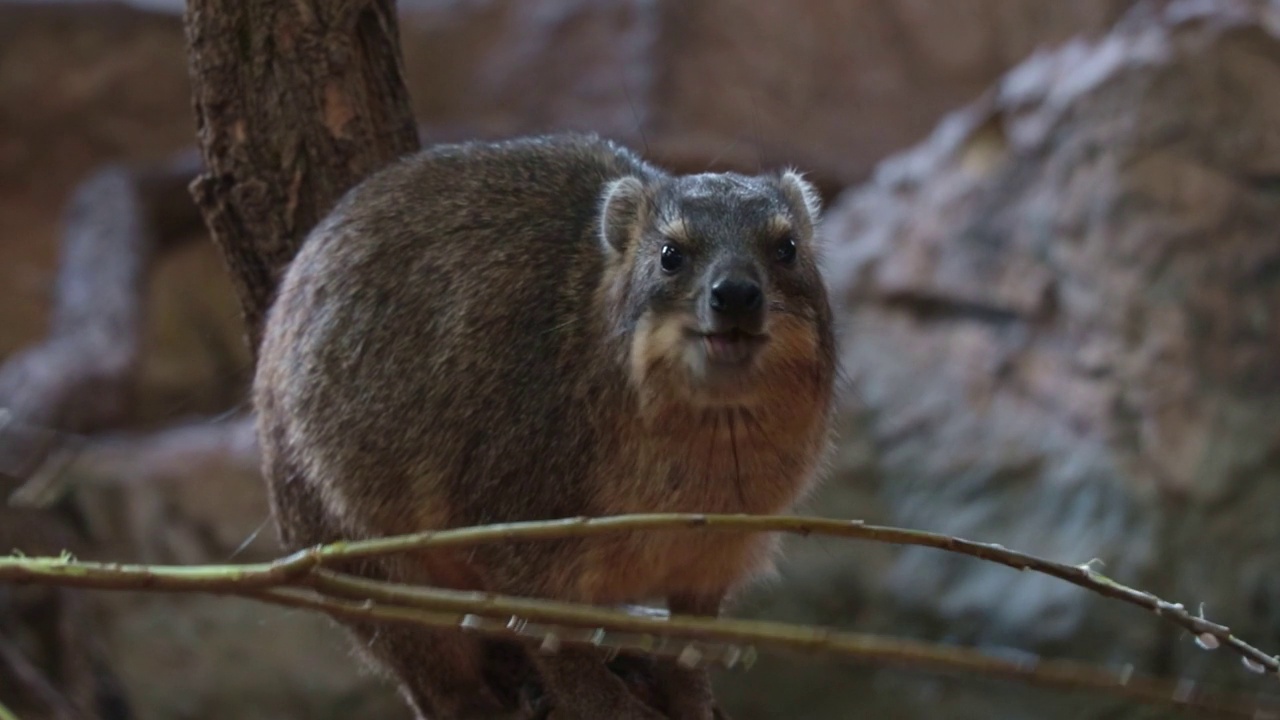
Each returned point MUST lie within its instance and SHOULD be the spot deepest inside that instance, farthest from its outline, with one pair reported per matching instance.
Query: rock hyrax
(542, 328)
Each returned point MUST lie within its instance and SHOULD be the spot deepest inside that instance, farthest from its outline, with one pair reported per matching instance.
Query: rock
(828, 85)
(711, 84)
(1060, 323)
(831, 85)
(192, 494)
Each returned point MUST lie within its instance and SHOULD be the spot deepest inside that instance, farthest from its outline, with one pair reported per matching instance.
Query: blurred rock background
(1054, 249)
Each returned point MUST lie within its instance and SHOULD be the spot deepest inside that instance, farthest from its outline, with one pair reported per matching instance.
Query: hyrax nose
(737, 300)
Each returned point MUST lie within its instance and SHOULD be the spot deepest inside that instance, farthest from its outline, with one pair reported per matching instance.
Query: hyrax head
(715, 278)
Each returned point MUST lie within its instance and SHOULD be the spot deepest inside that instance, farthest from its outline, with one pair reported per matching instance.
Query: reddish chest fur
(694, 461)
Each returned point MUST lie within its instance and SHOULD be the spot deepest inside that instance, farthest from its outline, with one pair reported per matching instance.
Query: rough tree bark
(295, 102)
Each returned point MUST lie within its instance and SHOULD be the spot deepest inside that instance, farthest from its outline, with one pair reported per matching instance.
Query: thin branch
(265, 574)
(653, 639)
(886, 651)
(231, 578)
(1081, 575)
(278, 582)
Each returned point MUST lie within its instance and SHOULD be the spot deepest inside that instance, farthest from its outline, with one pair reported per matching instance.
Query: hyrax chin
(542, 328)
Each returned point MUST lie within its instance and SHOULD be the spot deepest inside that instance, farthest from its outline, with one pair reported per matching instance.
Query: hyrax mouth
(732, 348)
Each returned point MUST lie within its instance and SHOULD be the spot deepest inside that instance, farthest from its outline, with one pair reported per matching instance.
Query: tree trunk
(295, 103)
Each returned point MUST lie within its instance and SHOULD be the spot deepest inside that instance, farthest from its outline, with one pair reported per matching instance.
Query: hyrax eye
(672, 258)
(785, 250)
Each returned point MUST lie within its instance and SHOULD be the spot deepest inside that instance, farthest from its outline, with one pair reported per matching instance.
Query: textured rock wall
(830, 85)
(1060, 323)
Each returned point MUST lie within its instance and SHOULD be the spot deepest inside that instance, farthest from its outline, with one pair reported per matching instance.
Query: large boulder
(1061, 325)
(192, 494)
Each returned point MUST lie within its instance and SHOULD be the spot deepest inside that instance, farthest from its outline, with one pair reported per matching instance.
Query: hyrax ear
(802, 195)
(622, 207)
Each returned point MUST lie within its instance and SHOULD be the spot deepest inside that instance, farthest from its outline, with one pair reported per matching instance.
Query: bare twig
(1081, 575)
(237, 577)
(282, 581)
(232, 578)
(652, 636)
(441, 608)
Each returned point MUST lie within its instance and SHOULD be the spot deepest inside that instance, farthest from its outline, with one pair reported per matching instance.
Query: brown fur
(481, 333)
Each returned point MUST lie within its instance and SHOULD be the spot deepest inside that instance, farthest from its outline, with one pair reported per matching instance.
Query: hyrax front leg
(582, 687)
(440, 673)
(688, 690)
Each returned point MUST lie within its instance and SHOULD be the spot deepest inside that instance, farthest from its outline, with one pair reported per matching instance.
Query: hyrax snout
(541, 328)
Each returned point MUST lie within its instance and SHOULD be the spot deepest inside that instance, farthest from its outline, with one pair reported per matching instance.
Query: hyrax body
(543, 328)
